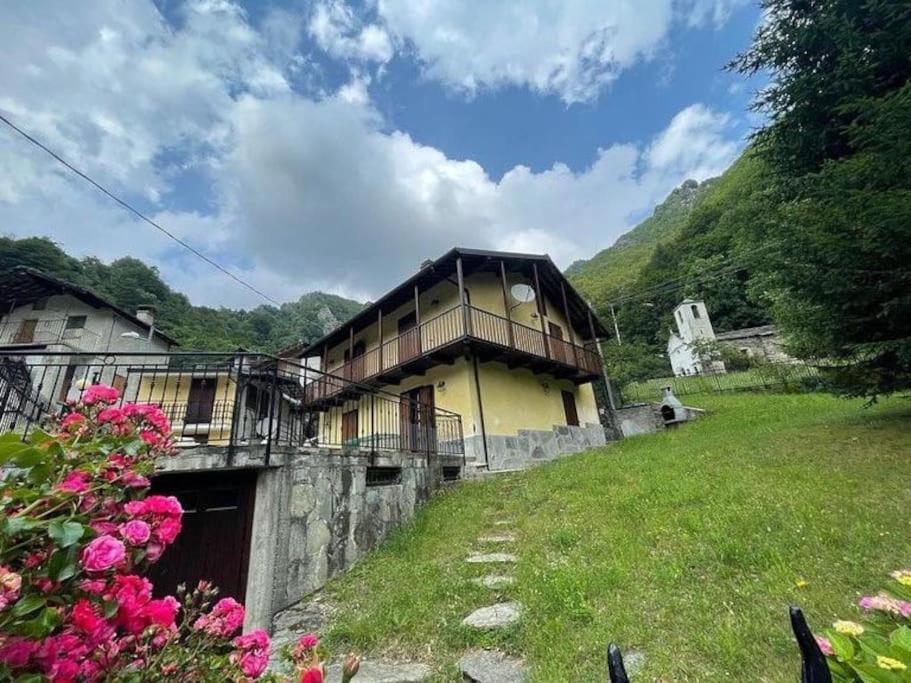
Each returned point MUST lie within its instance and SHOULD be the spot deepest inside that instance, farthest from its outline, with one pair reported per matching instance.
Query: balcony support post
(569, 323)
(417, 316)
(539, 299)
(460, 276)
(379, 328)
(509, 330)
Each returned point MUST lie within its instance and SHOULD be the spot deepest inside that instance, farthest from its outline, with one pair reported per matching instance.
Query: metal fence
(761, 376)
(230, 400)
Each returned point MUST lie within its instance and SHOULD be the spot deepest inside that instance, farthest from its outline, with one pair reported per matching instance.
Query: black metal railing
(54, 331)
(813, 669)
(239, 399)
(455, 325)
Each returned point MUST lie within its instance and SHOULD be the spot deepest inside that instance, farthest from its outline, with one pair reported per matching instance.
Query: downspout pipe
(477, 386)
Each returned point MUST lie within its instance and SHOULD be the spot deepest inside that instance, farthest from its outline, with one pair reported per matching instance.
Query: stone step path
(378, 672)
(491, 558)
(494, 581)
(489, 666)
(496, 616)
(498, 538)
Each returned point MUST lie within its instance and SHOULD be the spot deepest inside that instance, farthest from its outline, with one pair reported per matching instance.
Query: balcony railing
(229, 400)
(47, 332)
(452, 326)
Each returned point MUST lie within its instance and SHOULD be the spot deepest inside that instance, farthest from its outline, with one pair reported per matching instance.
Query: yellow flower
(801, 583)
(889, 664)
(848, 628)
(903, 576)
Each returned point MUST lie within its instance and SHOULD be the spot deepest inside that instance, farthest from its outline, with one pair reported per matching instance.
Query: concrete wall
(314, 515)
(639, 419)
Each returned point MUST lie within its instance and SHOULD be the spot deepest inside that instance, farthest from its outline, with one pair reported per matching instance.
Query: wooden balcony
(443, 338)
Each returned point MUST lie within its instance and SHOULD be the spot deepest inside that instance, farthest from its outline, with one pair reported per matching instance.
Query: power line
(136, 212)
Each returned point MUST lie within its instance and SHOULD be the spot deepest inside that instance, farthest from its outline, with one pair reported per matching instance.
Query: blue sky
(334, 145)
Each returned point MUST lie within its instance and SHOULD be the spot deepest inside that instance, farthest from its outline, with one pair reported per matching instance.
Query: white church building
(693, 328)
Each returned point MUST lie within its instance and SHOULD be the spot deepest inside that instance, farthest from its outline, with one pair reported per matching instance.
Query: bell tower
(693, 323)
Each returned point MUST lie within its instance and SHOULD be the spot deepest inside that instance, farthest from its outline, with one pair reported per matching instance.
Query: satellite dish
(522, 293)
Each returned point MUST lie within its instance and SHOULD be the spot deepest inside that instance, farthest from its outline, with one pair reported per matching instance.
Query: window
(695, 309)
(384, 476)
(75, 322)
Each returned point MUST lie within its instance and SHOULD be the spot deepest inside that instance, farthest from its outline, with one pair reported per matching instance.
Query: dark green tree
(837, 267)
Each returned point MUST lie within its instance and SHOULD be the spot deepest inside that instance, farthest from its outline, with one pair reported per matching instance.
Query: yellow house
(501, 339)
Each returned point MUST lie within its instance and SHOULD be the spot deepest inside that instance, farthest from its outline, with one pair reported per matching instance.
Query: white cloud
(337, 30)
(306, 193)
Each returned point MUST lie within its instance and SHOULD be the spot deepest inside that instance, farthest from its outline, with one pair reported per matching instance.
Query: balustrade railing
(229, 400)
(449, 327)
(55, 331)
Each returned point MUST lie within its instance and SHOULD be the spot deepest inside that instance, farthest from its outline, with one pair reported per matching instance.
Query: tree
(837, 270)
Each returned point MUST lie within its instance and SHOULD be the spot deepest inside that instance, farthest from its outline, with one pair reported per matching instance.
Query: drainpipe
(477, 385)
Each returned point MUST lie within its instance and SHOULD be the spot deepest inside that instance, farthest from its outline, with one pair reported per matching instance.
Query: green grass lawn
(687, 546)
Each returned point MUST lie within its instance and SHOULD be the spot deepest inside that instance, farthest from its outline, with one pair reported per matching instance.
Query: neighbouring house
(501, 339)
(76, 326)
(761, 343)
(692, 349)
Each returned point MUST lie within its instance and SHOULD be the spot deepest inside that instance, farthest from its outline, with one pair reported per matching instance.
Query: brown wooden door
(416, 418)
(214, 543)
(201, 400)
(349, 426)
(569, 407)
(26, 332)
(409, 337)
(557, 346)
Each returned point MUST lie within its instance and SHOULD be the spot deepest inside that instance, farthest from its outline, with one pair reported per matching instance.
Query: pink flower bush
(79, 531)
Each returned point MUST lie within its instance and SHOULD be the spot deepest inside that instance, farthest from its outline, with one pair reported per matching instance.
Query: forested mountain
(699, 244)
(129, 282)
(612, 271)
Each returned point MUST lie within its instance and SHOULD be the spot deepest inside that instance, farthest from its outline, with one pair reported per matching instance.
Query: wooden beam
(591, 325)
(511, 333)
(379, 328)
(569, 323)
(417, 316)
(539, 299)
(460, 277)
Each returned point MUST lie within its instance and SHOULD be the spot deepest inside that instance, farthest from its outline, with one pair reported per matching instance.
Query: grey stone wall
(532, 446)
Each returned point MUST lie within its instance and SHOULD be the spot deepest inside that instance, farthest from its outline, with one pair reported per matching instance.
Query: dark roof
(473, 260)
(23, 284)
(761, 331)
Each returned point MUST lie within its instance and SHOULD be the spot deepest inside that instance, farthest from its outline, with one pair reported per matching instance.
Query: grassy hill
(686, 546)
(128, 282)
(615, 269)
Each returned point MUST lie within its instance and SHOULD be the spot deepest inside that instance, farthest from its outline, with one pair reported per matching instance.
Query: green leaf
(110, 608)
(42, 625)
(17, 524)
(30, 678)
(65, 533)
(28, 457)
(40, 473)
(901, 638)
(62, 565)
(841, 645)
(27, 605)
(874, 644)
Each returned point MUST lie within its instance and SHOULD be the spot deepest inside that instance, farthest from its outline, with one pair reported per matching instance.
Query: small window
(695, 309)
(75, 322)
(679, 316)
(384, 476)
(40, 304)
(452, 473)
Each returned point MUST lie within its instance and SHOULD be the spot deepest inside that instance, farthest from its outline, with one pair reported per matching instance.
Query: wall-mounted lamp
(441, 385)
(435, 302)
(546, 387)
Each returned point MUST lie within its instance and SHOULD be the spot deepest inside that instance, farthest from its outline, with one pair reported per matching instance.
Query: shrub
(878, 648)
(78, 531)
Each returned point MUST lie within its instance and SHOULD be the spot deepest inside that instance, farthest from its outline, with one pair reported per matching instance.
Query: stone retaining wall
(533, 446)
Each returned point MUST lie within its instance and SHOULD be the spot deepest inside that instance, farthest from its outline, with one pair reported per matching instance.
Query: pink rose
(308, 641)
(168, 529)
(92, 586)
(226, 617)
(16, 651)
(103, 553)
(162, 612)
(75, 482)
(85, 618)
(135, 532)
(163, 505)
(252, 655)
(825, 646)
(154, 551)
(72, 420)
(10, 586)
(112, 415)
(134, 480)
(100, 393)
